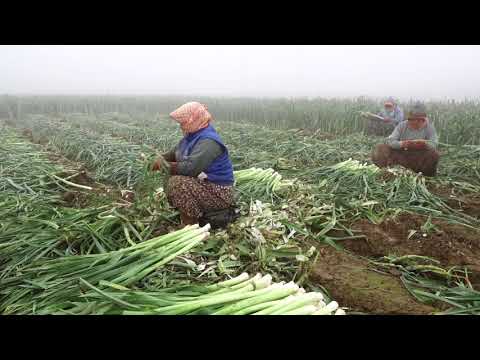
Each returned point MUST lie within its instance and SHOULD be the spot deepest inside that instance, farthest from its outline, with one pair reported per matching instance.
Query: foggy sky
(427, 72)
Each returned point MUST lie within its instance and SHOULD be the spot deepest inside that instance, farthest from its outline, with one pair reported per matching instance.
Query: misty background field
(456, 121)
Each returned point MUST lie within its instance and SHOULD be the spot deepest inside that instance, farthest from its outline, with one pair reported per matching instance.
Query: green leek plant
(47, 282)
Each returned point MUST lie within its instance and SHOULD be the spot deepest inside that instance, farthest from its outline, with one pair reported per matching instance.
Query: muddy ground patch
(467, 202)
(451, 244)
(354, 284)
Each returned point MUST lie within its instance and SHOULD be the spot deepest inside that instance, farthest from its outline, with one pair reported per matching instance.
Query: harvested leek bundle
(242, 295)
(349, 171)
(48, 282)
(354, 184)
(49, 232)
(257, 183)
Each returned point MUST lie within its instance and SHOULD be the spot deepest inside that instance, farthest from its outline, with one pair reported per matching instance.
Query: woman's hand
(419, 144)
(405, 144)
(158, 164)
(163, 165)
(413, 144)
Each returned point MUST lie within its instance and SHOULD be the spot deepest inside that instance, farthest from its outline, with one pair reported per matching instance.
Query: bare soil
(469, 203)
(353, 283)
(349, 281)
(451, 244)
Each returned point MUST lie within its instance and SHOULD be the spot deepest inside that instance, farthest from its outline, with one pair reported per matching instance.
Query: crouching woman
(202, 172)
(412, 144)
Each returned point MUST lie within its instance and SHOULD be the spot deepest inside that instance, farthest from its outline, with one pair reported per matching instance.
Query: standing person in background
(202, 171)
(392, 115)
(412, 144)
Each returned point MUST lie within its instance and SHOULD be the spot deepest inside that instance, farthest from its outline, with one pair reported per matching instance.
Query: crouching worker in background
(412, 144)
(201, 185)
(391, 116)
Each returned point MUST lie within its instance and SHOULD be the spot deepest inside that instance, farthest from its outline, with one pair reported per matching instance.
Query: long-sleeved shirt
(202, 155)
(397, 115)
(402, 132)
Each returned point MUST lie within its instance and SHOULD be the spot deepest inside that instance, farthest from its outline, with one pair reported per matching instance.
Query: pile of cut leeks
(242, 295)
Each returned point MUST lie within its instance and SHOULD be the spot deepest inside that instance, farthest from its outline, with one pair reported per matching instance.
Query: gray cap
(418, 108)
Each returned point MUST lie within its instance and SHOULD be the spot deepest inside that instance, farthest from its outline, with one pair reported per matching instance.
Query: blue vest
(220, 171)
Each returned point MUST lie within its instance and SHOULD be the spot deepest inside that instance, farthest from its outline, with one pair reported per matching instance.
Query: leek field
(85, 227)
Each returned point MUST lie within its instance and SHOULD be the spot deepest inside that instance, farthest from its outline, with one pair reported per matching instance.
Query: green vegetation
(457, 122)
(304, 182)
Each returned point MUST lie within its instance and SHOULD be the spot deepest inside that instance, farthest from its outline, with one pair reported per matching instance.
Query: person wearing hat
(201, 171)
(412, 144)
(392, 115)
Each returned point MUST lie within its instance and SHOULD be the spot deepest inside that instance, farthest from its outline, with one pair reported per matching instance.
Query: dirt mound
(352, 284)
(471, 205)
(78, 199)
(450, 244)
(468, 203)
(80, 178)
(69, 197)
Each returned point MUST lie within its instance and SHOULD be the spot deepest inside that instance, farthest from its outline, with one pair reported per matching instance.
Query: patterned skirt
(424, 161)
(194, 197)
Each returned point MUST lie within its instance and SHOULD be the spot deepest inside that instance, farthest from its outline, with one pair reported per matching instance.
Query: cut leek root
(243, 295)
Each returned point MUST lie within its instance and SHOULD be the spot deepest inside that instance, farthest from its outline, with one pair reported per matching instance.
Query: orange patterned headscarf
(192, 117)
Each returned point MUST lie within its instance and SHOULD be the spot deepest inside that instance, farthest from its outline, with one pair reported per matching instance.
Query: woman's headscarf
(192, 117)
(391, 100)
